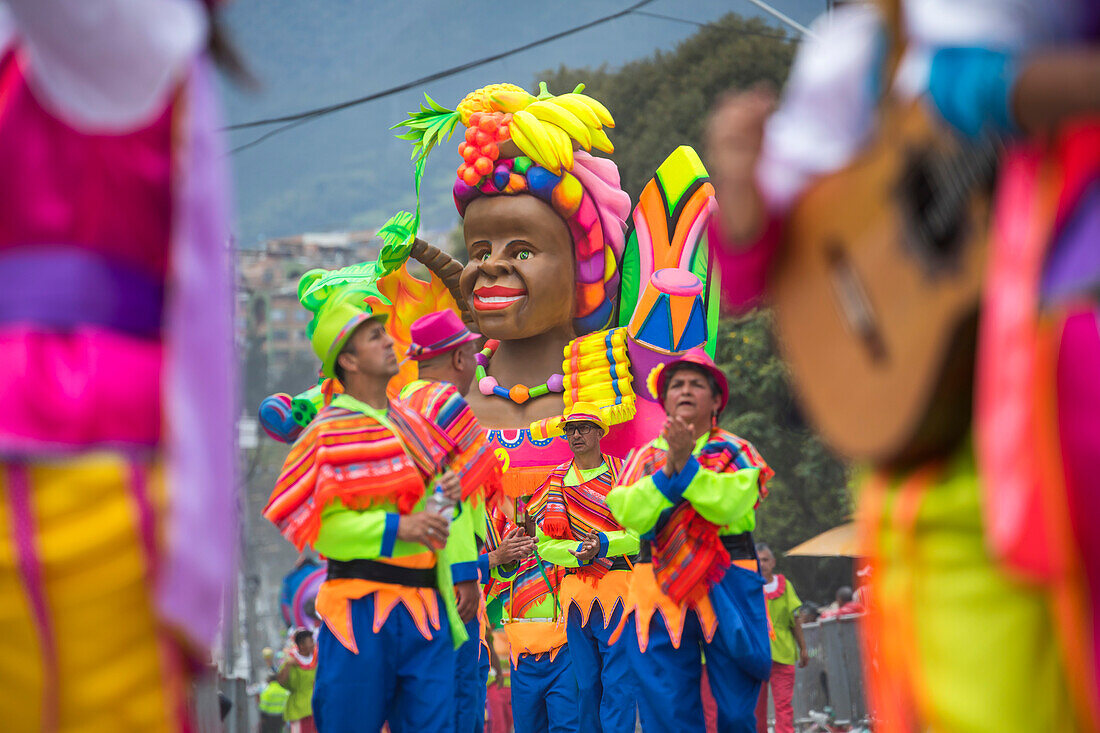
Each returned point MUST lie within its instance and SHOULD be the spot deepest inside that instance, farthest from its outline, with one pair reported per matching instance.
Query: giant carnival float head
(580, 297)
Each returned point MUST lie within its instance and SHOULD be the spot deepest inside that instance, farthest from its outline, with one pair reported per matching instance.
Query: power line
(293, 120)
(695, 23)
(784, 18)
(271, 133)
(698, 24)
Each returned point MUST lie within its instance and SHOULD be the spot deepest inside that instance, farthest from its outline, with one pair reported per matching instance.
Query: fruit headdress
(515, 143)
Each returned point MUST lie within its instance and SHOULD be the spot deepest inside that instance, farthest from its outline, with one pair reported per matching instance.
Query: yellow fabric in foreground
(110, 671)
(980, 652)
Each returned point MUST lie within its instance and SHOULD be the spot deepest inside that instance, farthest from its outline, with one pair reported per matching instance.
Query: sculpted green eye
(523, 255)
(483, 256)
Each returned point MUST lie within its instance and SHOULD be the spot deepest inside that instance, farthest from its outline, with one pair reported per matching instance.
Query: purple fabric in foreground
(64, 287)
(1073, 265)
(1079, 430)
(200, 404)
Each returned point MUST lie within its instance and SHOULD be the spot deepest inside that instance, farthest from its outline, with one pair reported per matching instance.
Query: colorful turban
(518, 143)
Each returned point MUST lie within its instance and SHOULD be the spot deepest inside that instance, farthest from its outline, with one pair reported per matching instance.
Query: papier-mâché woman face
(519, 280)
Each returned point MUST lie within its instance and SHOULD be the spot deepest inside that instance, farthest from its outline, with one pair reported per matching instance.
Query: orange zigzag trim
(334, 606)
(609, 590)
(645, 598)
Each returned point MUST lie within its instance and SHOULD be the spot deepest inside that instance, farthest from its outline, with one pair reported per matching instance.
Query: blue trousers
(398, 676)
(471, 674)
(738, 660)
(544, 695)
(606, 689)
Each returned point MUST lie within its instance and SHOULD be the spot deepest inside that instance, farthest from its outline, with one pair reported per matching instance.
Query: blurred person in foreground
(117, 488)
(297, 676)
(788, 646)
(988, 547)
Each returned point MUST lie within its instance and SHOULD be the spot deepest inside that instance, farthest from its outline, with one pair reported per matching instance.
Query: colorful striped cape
(349, 456)
(688, 555)
(474, 461)
(533, 581)
(571, 512)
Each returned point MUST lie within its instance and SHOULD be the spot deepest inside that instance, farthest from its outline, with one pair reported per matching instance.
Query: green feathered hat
(337, 299)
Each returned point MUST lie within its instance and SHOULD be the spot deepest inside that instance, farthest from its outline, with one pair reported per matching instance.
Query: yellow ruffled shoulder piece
(596, 369)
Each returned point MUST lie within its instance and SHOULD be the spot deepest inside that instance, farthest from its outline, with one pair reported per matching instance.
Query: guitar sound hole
(933, 204)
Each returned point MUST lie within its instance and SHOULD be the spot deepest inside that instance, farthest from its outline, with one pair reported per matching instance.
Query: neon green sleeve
(505, 573)
(346, 534)
(619, 542)
(723, 498)
(557, 551)
(461, 549)
(637, 506)
(793, 601)
(481, 522)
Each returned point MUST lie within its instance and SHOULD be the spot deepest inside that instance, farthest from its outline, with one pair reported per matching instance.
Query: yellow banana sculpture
(545, 127)
(563, 145)
(601, 142)
(541, 146)
(579, 109)
(601, 112)
(550, 112)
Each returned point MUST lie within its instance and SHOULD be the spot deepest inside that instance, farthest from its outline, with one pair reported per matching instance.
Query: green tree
(662, 101)
(808, 494)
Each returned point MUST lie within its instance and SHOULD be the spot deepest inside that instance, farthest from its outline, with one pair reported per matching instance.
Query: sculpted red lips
(496, 297)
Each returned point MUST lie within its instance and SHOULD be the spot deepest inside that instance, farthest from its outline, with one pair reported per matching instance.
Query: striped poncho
(474, 461)
(534, 579)
(360, 457)
(572, 512)
(688, 555)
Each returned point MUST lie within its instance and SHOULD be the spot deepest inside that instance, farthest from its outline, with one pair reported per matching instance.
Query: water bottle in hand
(440, 504)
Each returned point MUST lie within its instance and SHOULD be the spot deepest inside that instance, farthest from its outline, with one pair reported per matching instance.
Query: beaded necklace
(519, 394)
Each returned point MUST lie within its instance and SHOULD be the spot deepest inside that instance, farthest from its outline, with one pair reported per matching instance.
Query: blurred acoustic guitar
(876, 291)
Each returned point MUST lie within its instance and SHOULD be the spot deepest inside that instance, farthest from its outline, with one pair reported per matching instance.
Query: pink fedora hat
(437, 333)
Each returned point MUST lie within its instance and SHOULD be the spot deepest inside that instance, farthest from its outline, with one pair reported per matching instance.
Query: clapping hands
(514, 546)
(590, 547)
(680, 437)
